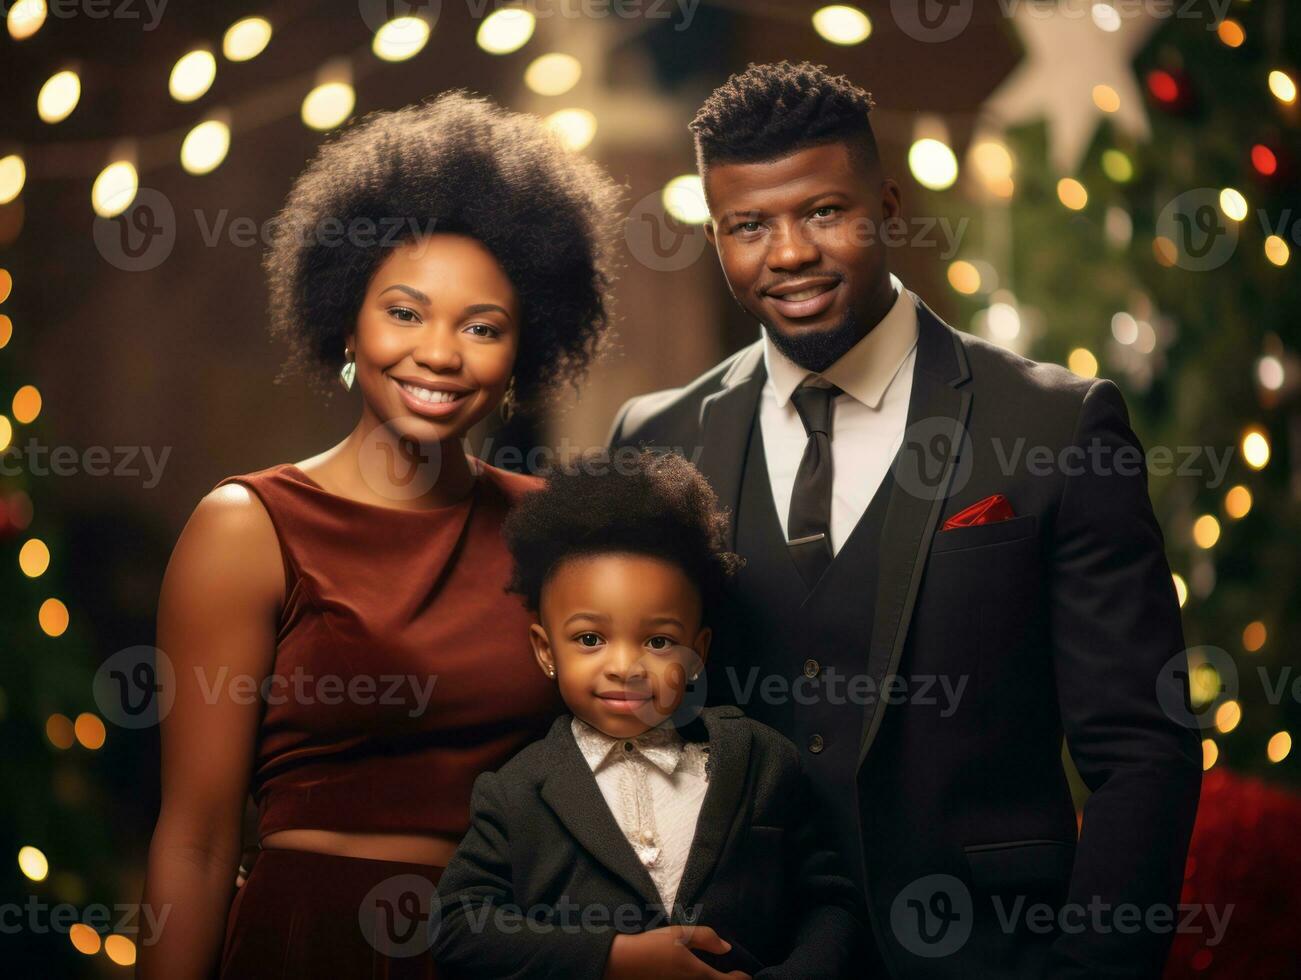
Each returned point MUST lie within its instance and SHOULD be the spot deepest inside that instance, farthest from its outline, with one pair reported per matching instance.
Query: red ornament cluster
(1244, 863)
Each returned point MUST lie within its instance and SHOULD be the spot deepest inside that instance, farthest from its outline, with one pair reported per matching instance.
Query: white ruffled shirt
(654, 785)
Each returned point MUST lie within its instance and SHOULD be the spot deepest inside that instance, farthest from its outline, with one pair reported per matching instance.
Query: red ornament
(1243, 865)
(1264, 160)
(1163, 86)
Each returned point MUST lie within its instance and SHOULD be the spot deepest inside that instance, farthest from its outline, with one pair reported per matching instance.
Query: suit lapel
(570, 790)
(725, 419)
(729, 750)
(923, 468)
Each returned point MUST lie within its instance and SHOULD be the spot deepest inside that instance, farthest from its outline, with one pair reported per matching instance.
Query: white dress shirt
(867, 422)
(654, 785)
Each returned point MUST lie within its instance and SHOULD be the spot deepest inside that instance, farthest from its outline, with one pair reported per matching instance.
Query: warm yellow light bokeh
(32, 862)
(1254, 636)
(1233, 204)
(84, 939)
(58, 96)
(205, 146)
(1206, 531)
(1072, 193)
(89, 730)
(575, 127)
(553, 74)
(13, 175)
(964, 277)
(400, 39)
(1283, 86)
(1082, 362)
(683, 197)
(114, 189)
(246, 39)
(1280, 744)
(59, 730)
(25, 18)
(933, 164)
(1231, 33)
(328, 105)
(506, 30)
(26, 404)
(192, 75)
(120, 949)
(1277, 251)
(34, 558)
(842, 24)
(1255, 448)
(53, 617)
(1227, 716)
(1106, 98)
(1237, 502)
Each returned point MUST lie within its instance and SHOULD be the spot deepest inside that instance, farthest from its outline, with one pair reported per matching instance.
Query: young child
(641, 838)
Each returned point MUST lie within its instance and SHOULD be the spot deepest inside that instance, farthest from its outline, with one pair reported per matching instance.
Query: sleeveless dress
(402, 670)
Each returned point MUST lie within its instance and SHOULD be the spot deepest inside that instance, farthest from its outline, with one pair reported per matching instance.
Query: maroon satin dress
(402, 671)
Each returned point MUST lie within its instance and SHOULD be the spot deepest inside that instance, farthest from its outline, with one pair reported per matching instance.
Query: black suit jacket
(543, 843)
(1060, 620)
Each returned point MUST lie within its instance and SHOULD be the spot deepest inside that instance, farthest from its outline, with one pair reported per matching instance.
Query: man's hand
(666, 953)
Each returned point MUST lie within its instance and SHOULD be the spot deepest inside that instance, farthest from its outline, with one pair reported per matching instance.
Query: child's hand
(666, 953)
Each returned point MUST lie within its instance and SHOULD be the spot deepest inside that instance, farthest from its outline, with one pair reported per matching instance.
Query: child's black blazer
(543, 846)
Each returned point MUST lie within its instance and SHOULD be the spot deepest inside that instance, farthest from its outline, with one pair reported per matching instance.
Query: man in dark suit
(951, 562)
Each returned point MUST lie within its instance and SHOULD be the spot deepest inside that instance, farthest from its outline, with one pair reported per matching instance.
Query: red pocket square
(987, 511)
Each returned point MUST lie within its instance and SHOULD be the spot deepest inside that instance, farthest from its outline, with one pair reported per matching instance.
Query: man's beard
(817, 350)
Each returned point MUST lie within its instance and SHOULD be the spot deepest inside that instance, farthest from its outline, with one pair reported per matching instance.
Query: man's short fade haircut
(654, 505)
(770, 111)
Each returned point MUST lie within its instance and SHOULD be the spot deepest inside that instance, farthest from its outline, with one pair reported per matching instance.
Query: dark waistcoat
(796, 659)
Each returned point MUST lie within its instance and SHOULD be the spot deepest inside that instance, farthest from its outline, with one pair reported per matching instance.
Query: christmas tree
(69, 905)
(1162, 260)
(1133, 204)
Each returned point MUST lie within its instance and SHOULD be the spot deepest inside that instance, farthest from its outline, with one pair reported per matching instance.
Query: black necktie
(808, 527)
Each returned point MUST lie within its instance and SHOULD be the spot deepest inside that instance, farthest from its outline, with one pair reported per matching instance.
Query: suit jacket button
(815, 743)
(811, 668)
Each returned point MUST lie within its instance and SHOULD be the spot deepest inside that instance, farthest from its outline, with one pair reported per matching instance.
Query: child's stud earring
(551, 672)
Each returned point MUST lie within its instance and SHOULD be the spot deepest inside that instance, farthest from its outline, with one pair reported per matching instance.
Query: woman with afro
(334, 635)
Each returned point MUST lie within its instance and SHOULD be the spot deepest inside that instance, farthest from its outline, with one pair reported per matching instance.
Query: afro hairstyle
(455, 163)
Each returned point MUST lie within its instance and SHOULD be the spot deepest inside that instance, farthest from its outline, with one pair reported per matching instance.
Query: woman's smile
(432, 399)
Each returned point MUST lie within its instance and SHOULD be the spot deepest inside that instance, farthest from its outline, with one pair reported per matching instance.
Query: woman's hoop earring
(348, 373)
(508, 406)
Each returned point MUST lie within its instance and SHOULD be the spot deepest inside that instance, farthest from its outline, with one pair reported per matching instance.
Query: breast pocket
(983, 535)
